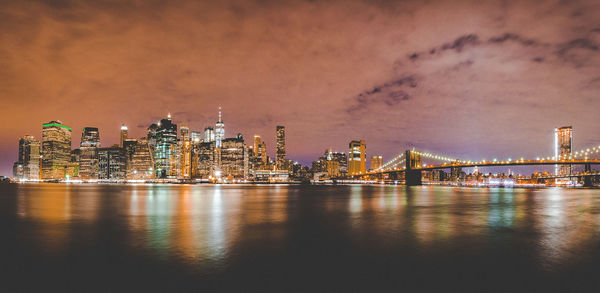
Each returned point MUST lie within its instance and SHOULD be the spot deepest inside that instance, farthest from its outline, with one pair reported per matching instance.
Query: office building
(56, 150)
(88, 153)
(209, 134)
(113, 164)
(219, 130)
(28, 163)
(376, 162)
(280, 152)
(185, 154)
(357, 162)
(124, 135)
(140, 164)
(205, 159)
(165, 154)
(232, 158)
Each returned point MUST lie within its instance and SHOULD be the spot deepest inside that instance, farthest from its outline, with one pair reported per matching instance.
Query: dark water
(297, 238)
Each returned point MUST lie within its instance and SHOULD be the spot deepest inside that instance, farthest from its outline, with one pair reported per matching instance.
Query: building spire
(220, 117)
(169, 116)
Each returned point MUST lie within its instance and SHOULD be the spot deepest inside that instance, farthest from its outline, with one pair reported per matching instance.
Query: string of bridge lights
(584, 153)
(393, 162)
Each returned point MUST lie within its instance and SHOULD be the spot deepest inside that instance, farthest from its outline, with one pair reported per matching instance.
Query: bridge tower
(413, 177)
(587, 180)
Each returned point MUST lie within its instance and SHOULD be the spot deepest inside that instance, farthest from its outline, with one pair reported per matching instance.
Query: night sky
(470, 79)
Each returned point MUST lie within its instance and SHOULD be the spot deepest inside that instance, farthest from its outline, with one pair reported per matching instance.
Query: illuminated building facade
(376, 162)
(185, 154)
(563, 142)
(205, 159)
(357, 162)
(88, 153)
(56, 150)
(112, 163)
(28, 164)
(333, 168)
(233, 153)
(196, 136)
(140, 164)
(165, 154)
(209, 134)
(219, 130)
(280, 161)
(124, 135)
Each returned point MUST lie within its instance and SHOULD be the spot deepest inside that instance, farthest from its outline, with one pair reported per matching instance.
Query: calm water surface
(297, 238)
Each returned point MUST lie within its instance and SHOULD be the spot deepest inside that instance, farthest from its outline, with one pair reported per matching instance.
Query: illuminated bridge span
(409, 164)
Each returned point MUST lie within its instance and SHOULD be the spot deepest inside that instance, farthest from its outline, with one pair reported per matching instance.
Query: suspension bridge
(410, 165)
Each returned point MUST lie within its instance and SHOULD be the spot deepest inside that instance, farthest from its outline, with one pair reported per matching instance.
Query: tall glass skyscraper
(165, 155)
(219, 130)
(88, 157)
(56, 150)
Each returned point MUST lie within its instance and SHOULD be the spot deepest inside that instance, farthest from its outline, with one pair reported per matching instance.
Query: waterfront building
(56, 150)
(233, 153)
(113, 164)
(563, 142)
(205, 159)
(376, 162)
(165, 154)
(219, 130)
(18, 170)
(140, 164)
(124, 134)
(280, 152)
(269, 175)
(333, 168)
(28, 163)
(341, 158)
(185, 154)
(357, 162)
(88, 153)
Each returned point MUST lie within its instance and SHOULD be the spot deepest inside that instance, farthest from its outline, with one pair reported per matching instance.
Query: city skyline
(492, 80)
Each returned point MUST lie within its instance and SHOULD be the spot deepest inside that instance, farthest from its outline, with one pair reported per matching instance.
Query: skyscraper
(205, 159)
(165, 155)
(280, 153)
(141, 164)
(209, 134)
(123, 134)
(357, 161)
(185, 154)
(56, 150)
(232, 157)
(563, 140)
(219, 130)
(88, 153)
(256, 144)
(28, 164)
(376, 162)
(112, 163)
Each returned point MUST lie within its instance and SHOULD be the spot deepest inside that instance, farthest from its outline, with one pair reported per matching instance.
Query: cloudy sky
(471, 79)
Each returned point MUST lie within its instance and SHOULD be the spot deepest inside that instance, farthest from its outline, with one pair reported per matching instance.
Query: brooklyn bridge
(409, 166)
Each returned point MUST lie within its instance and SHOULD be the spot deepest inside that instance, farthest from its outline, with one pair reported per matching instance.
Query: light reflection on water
(218, 228)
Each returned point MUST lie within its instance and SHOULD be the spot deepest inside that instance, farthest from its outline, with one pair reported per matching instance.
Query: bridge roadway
(491, 164)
